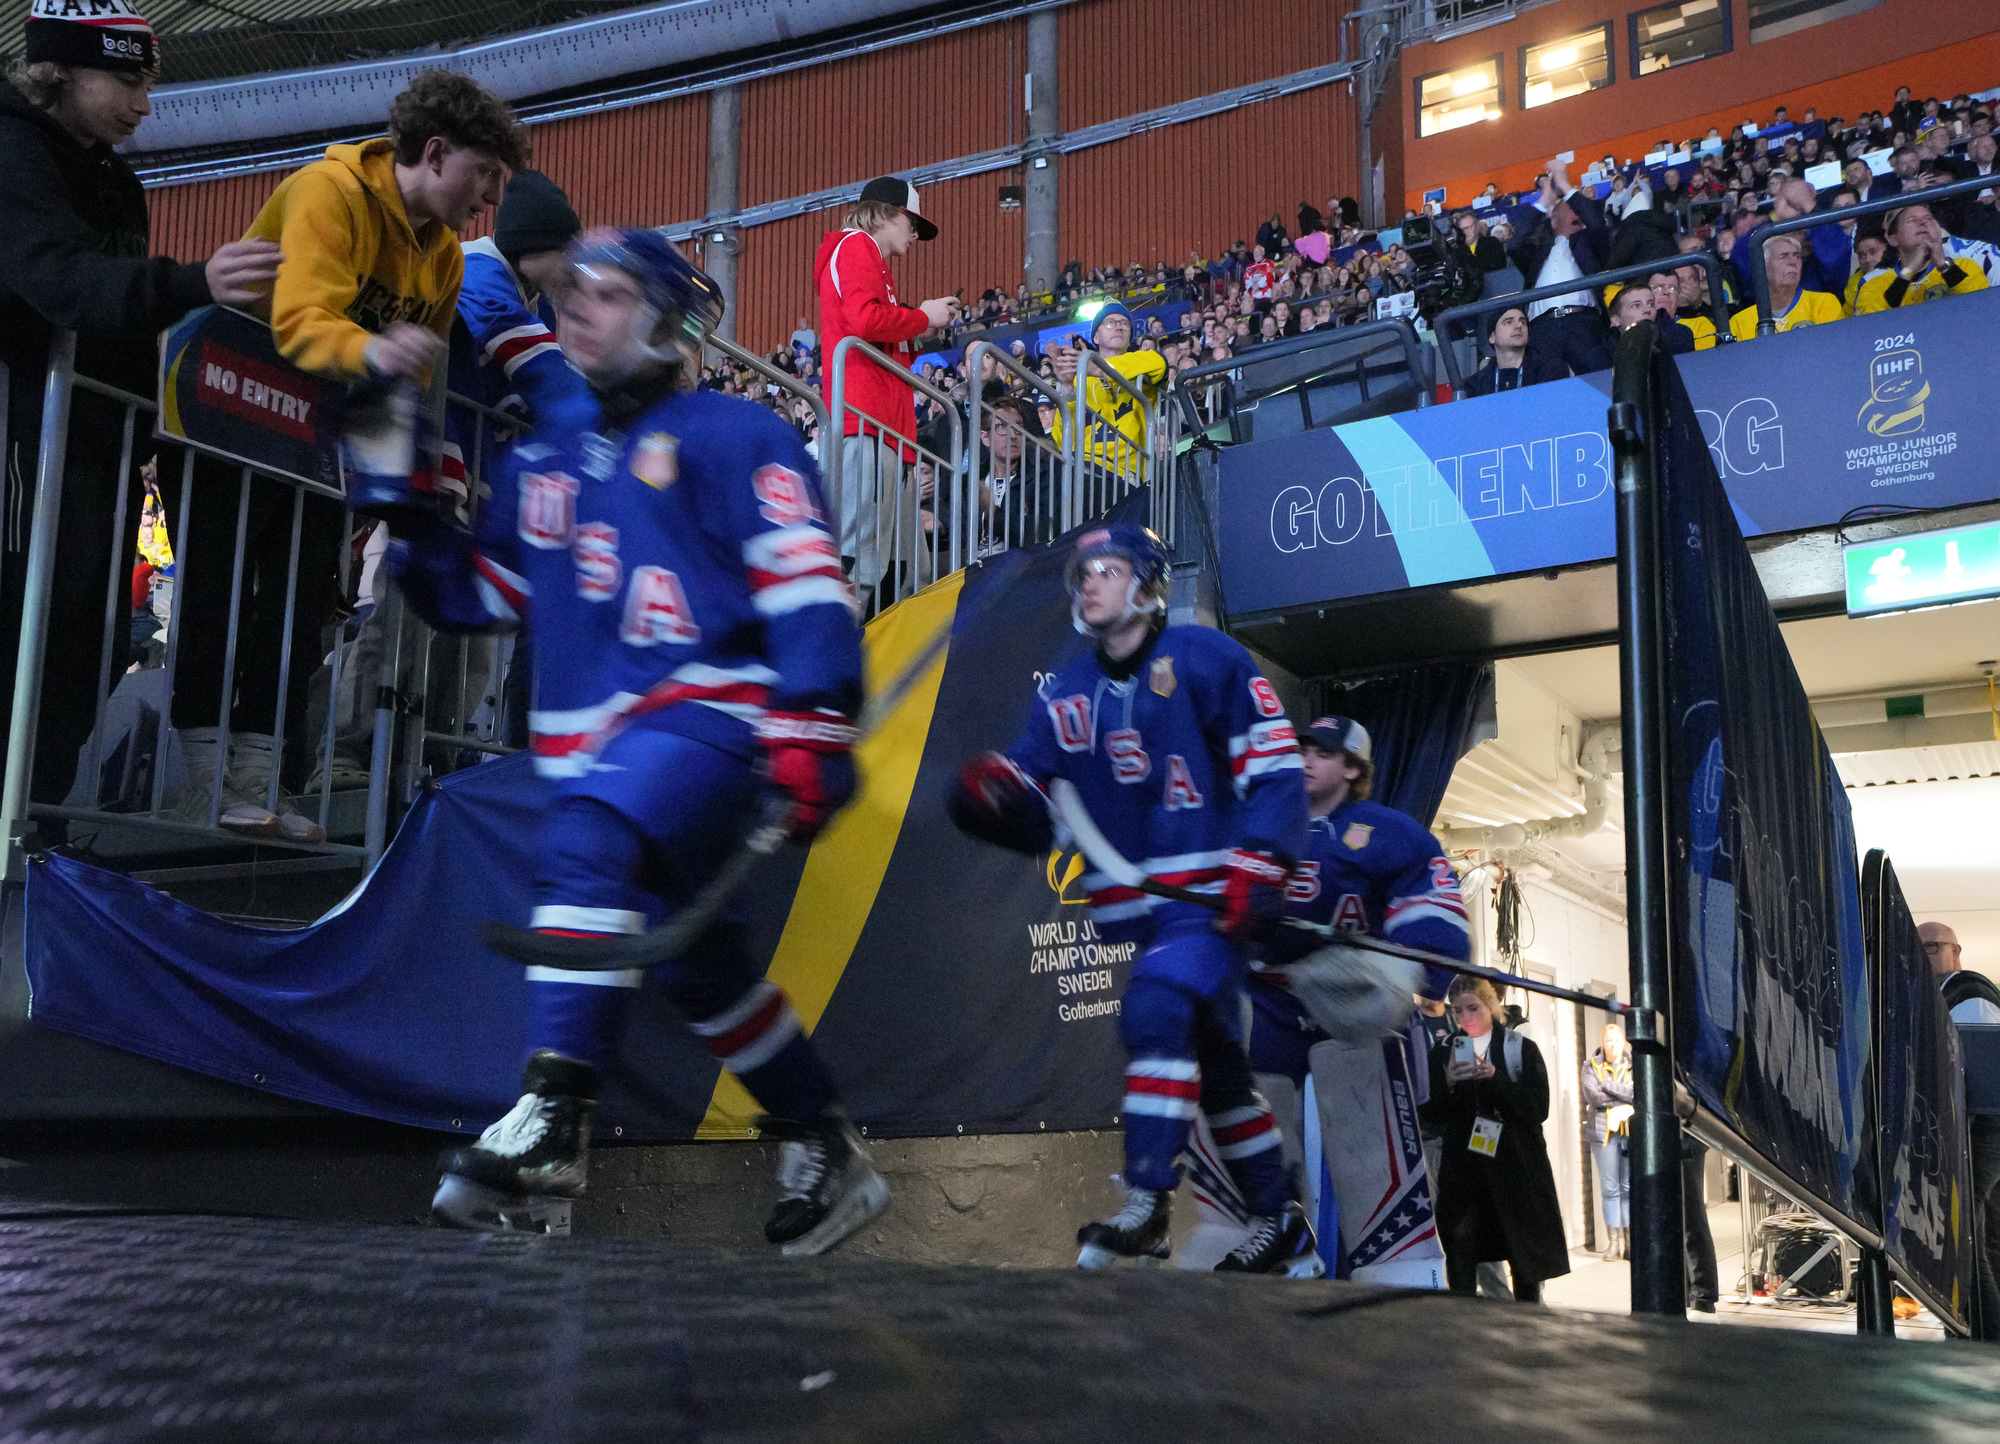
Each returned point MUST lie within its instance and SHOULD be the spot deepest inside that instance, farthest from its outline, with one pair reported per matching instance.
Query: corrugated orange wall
(189, 222)
(978, 245)
(892, 110)
(1934, 42)
(1202, 185)
(1121, 57)
(646, 165)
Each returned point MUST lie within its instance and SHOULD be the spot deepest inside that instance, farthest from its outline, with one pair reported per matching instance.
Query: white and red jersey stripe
(566, 743)
(1111, 902)
(752, 1031)
(1444, 905)
(504, 593)
(1163, 1087)
(793, 567)
(514, 348)
(1267, 747)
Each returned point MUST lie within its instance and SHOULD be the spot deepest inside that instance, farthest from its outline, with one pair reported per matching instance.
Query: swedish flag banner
(952, 987)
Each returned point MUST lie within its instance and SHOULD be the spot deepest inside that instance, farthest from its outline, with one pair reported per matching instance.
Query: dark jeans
(1703, 1282)
(1581, 340)
(204, 577)
(74, 650)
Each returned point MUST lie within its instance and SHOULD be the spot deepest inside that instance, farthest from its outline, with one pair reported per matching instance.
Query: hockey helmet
(682, 305)
(1139, 546)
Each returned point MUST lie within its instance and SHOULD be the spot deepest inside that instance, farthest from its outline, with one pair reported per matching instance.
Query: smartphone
(1461, 1050)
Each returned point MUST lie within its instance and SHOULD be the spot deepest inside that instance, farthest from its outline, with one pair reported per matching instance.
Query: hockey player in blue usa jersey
(1182, 754)
(694, 647)
(1367, 869)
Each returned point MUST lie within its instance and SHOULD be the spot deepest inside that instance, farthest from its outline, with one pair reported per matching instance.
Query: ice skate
(1136, 1231)
(535, 1158)
(830, 1183)
(1279, 1243)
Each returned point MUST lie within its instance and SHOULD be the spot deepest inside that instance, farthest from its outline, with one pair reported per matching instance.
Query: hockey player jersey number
(782, 496)
(656, 610)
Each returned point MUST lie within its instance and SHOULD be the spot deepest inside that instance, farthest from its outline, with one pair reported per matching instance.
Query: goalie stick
(620, 953)
(1097, 848)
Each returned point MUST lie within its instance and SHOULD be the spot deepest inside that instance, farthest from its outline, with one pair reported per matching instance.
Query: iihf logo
(1896, 394)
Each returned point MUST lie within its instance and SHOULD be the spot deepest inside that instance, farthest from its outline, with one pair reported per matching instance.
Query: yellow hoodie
(352, 265)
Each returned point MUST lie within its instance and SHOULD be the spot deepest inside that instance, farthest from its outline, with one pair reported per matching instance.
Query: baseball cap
(1339, 734)
(894, 191)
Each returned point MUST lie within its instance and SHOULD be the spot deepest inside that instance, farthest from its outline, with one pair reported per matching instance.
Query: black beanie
(93, 34)
(534, 215)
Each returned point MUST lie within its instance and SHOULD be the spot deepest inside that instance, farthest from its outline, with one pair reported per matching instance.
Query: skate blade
(1306, 1266)
(461, 1203)
(855, 1208)
(1095, 1257)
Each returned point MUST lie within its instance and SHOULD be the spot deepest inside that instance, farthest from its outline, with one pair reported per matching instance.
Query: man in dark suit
(1514, 362)
(1569, 241)
(1902, 173)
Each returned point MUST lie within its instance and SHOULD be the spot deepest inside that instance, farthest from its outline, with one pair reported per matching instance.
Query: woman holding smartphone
(1496, 1195)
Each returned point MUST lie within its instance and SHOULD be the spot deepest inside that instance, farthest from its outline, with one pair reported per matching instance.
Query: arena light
(1557, 59)
(1089, 309)
(1468, 84)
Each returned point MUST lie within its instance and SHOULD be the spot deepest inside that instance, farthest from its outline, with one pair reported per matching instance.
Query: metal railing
(882, 486)
(149, 814)
(1760, 280)
(1446, 321)
(1105, 464)
(1346, 347)
(1017, 479)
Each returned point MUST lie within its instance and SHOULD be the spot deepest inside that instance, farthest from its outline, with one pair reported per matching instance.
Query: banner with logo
(1927, 1198)
(1803, 429)
(952, 986)
(1773, 1011)
(224, 389)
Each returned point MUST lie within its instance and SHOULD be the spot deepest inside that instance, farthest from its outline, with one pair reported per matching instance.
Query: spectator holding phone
(1116, 436)
(857, 297)
(1496, 1192)
(1922, 267)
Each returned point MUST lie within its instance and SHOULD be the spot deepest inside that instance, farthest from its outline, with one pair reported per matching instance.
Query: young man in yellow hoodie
(366, 290)
(1115, 436)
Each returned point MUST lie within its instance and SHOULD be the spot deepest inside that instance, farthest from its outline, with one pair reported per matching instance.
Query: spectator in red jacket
(858, 298)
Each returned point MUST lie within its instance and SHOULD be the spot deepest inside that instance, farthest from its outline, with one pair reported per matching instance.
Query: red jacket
(857, 298)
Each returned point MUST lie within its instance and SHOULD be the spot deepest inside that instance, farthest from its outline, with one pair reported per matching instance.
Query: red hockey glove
(1253, 893)
(995, 802)
(809, 760)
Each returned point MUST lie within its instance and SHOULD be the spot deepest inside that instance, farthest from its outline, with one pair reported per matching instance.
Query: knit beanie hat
(92, 34)
(1111, 308)
(534, 215)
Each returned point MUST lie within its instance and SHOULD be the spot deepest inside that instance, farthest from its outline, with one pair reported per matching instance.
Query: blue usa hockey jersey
(1373, 870)
(679, 566)
(503, 356)
(1187, 757)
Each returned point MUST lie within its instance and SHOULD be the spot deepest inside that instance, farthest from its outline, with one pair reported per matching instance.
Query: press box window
(1771, 18)
(1558, 69)
(1454, 98)
(1679, 34)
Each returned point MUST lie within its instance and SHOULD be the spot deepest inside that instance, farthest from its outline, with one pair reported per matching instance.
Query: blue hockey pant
(1182, 1029)
(631, 841)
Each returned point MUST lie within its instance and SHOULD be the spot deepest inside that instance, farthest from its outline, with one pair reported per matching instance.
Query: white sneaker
(251, 764)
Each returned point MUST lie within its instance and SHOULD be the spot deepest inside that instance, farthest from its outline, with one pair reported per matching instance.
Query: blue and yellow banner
(224, 389)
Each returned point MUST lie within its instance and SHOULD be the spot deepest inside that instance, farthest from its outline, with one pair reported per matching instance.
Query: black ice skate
(830, 1183)
(1138, 1230)
(521, 1174)
(1279, 1243)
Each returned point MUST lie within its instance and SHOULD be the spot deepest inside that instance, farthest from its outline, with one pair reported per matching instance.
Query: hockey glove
(995, 802)
(809, 762)
(1253, 892)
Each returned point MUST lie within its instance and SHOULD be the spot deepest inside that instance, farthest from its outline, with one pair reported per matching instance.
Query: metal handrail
(1813, 220)
(1089, 357)
(1494, 305)
(1323, 338)
(784, 379)
(974, 354)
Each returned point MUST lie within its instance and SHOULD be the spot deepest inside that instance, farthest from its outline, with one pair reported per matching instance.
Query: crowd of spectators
(1710, 193)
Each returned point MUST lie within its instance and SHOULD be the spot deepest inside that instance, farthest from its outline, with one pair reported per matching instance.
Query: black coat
(1589, 246)
(1643, 236)
(1502, 1207)
(73, 255)
(1535, 369)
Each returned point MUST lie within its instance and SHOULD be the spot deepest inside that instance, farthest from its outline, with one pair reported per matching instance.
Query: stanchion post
(1874, 1295)
(1659, 1281)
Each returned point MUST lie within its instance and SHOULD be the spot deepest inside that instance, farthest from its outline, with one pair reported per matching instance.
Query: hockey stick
(608, 954)
(1097, 848)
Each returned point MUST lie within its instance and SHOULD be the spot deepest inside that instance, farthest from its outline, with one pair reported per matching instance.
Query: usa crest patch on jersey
(656, 460)
(1162, 681)
(1357, 835)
